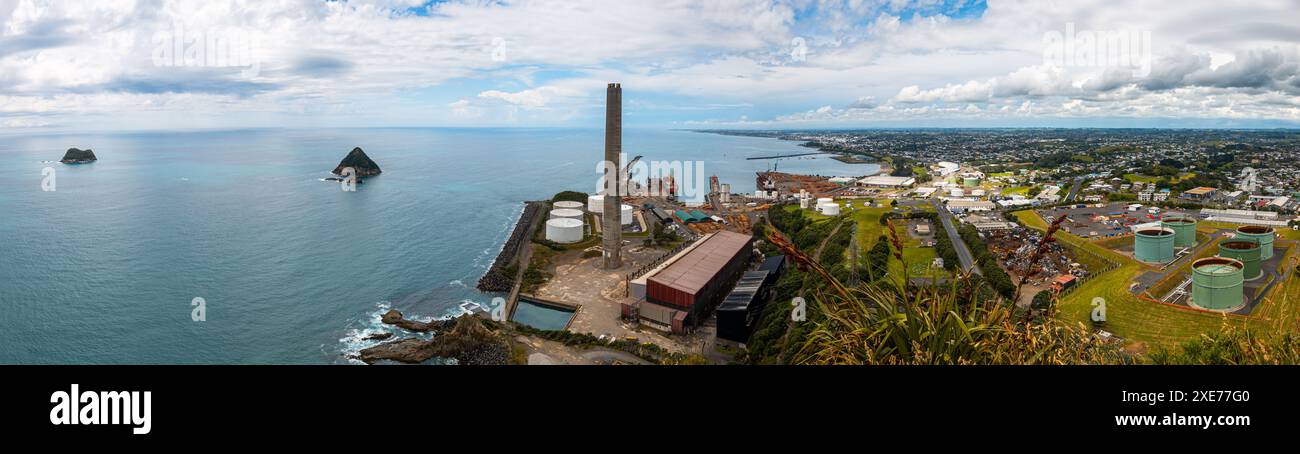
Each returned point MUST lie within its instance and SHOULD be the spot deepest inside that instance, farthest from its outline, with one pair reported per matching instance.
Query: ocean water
(293, 270)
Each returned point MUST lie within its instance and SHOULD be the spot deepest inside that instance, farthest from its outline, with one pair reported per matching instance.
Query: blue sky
(120, 64)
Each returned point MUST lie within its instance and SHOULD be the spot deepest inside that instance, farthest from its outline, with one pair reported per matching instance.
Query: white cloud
(475, 62)
(536, 98)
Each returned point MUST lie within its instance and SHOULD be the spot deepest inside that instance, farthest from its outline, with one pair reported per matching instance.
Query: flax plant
(951, 324)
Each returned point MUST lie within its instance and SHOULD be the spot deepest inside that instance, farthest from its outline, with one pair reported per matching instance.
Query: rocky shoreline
(497, 278)
(395, 318)
(463, 338)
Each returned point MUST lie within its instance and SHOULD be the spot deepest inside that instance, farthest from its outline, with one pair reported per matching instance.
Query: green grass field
(1014, 190)
(1281, 310)
(916, 258)
(870, 230)
(1144, 179)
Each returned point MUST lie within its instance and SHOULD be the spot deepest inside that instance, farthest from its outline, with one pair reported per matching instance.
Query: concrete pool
(542, 315)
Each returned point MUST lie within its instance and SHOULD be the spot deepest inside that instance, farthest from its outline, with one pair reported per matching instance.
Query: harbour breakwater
(791, 155)
(498, 277)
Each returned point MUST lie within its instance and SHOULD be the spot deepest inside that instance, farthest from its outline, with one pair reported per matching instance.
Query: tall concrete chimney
(611, 226)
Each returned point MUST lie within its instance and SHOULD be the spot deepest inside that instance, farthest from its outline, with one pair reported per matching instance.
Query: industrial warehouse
(688, 286)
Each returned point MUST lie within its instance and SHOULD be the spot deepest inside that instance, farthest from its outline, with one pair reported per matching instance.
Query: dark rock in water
(468, 341)
(410, 350)
(358, 161)
(77, 156)
(395, 318)
(379, 336)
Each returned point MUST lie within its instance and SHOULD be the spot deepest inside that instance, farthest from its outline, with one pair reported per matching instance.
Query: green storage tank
(971, 181)
(1217, 283)
(1263, 235)
(1184, 230)
(1154, 245)
(1246, 251)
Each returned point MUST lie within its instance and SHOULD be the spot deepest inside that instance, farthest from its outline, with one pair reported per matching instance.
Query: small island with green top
(78, 156)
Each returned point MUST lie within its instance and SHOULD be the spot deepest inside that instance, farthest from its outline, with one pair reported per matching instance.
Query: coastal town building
(944, 168)
(885, 181)
(970, 206)
(1049, 194)
(1199, 193)
(1242, 214)
(1014, 203)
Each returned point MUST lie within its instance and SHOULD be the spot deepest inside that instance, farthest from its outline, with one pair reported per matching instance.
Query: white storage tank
(564, 230)
(830, 209)
(595, 203)
(570, 204)
(625, 215)
(566, 213)
(824, 200)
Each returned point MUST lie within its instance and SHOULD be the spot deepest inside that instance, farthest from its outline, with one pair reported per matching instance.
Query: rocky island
(357, 159)
(78, 156)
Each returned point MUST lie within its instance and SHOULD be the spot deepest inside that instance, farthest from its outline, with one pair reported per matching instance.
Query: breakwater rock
(498, 277)
(395, 318)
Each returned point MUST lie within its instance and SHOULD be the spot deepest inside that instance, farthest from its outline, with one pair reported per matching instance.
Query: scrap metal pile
(1015, 247)
(788, 183)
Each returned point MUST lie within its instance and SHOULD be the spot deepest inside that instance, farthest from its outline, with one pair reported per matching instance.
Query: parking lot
(1104, 220)
(922, 230)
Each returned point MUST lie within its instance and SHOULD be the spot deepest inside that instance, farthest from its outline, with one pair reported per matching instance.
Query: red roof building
(698, 281)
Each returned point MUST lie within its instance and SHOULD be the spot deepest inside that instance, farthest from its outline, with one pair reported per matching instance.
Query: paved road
(1074, 189)
(1287, 268)
(606, 356)
(525, 257)
(964, 256)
